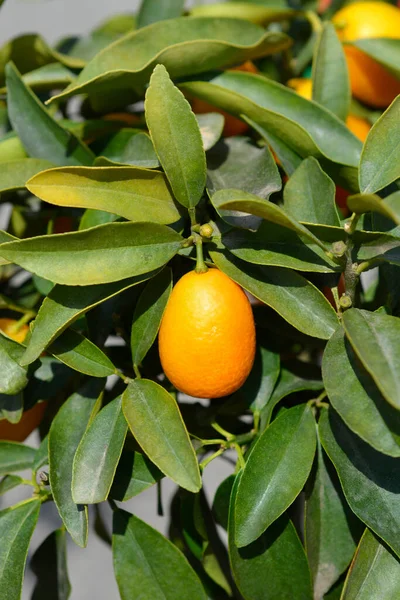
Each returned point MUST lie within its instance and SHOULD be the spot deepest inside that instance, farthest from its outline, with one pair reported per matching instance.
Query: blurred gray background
(90, 570)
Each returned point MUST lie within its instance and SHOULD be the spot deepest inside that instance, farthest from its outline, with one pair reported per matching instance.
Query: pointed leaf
(389, 207)
(148, 314)
(155, 420)
(259, 385)
(133, 193)
(16, 525)
(13, 377)
(97, 455)
(151, 13)
(275, 473)
(135, 473)
(380, 158)
(9, 482)
(145, 560)
(384, 50)
(16, 173)
(40, 134)
(102, 254)
(15, 457)
(66, 432)
(49, 564)
(375, 339)
(211, 126)
(356, 398)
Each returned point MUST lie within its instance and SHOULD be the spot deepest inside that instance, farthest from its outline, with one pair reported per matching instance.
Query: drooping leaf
(154, 419)
(145, 560)
(148, 314)
(275, 472)
(15, 174)
(375, 572)
(259, 385)
(255, 12)
(356, 398)
(389, 207)
(66, 432)
(380, 248)
(369, 478)
(384, 50)
(151, 13)
(287, 292)
(13, 377)
(49, 77)
(135, 473)
(134, 193)
(331, 84)
(9, 482)
(40, 134)
(375, 339)
(49, 564)
(380, 158)
(15, 457)
(17, 525)
(129, 147)
(102, 254)
(310, 195)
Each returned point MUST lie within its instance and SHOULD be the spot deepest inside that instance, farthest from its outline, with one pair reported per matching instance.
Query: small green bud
(339, 248)
(206, 230)
(345, 301)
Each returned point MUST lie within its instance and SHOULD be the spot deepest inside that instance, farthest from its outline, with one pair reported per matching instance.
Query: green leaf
(133, 193)
(277, 246)
(151, 13)
(274, 566)
(375, 339)
(9, 482)
(356, 398)
(92, 217)
(309, 195)
(97, 455)
(15, 457)
(384, 50)
(17, 525)
(331, 83)
(13, 377)
(380, 158)
(148, 314)
(145, 560)
(79, 353)
(389, 207)
(49, 564)
(48, 77)
(306, 127)
(42, 454)
(375, 572)
(211, 126)
(11, 148)
(155, 420)
(369, 478)
(329, 530)
(275, 473)
(102, 254)
(129, 147)
(259, 385)
(40, 134)
(126, 65)
(287, 292)
(16, 173)
(382, 248)
(249, 11)
(176, 138)
(135, 473)
(11, 407)
(66, 432)
(66, 304)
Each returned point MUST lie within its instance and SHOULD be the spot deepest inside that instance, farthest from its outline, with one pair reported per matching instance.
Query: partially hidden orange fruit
(207, 335)
(10, 328)
(370, 82)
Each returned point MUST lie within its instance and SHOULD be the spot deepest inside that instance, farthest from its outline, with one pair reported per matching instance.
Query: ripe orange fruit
(232, 126)
(370, 82)
(9, 327)
(207, 335)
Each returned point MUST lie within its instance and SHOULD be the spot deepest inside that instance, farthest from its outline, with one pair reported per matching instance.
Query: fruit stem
(207, 461)
(223, 432)
(201, 266)
(241, 460)
(22, 321)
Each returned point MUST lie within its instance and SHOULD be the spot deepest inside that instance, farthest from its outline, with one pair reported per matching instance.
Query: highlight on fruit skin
(11, 329)
(207, 336)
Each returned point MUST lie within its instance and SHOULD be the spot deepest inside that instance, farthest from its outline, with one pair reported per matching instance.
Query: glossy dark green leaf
(145, 560)
(16, 173)
(287, 292)
(375, 339)
(221, 502)
(129, 147)
(79, 353)
(369, 479)
(15, 457)
(40, 134)
(151, 12)
(9, 482)
(135, 473)
(272, 568)
(275, 473)
(211, 126)
(380, 158)
(176, 138)
(384, 50)
(356, 398)
(133, 193)
(389, 207)
(148, 314)
(277, 246)
(262, 379)
(177, 44)
(331, 84)
(155, 420)
(97, 455)
(309, 195)
(307, 128)
(102, 254)
(13, 377)
(375, 572)
(328, 525)
(49, 564)
(17, 525)
(66, 432)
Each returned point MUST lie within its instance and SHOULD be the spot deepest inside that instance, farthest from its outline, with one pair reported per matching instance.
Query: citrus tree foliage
(121, 169)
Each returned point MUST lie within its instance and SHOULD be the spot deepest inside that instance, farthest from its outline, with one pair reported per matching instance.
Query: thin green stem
(207, 461)
(201, 266)
(223, 432)
(137, 372)
(239, 451)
